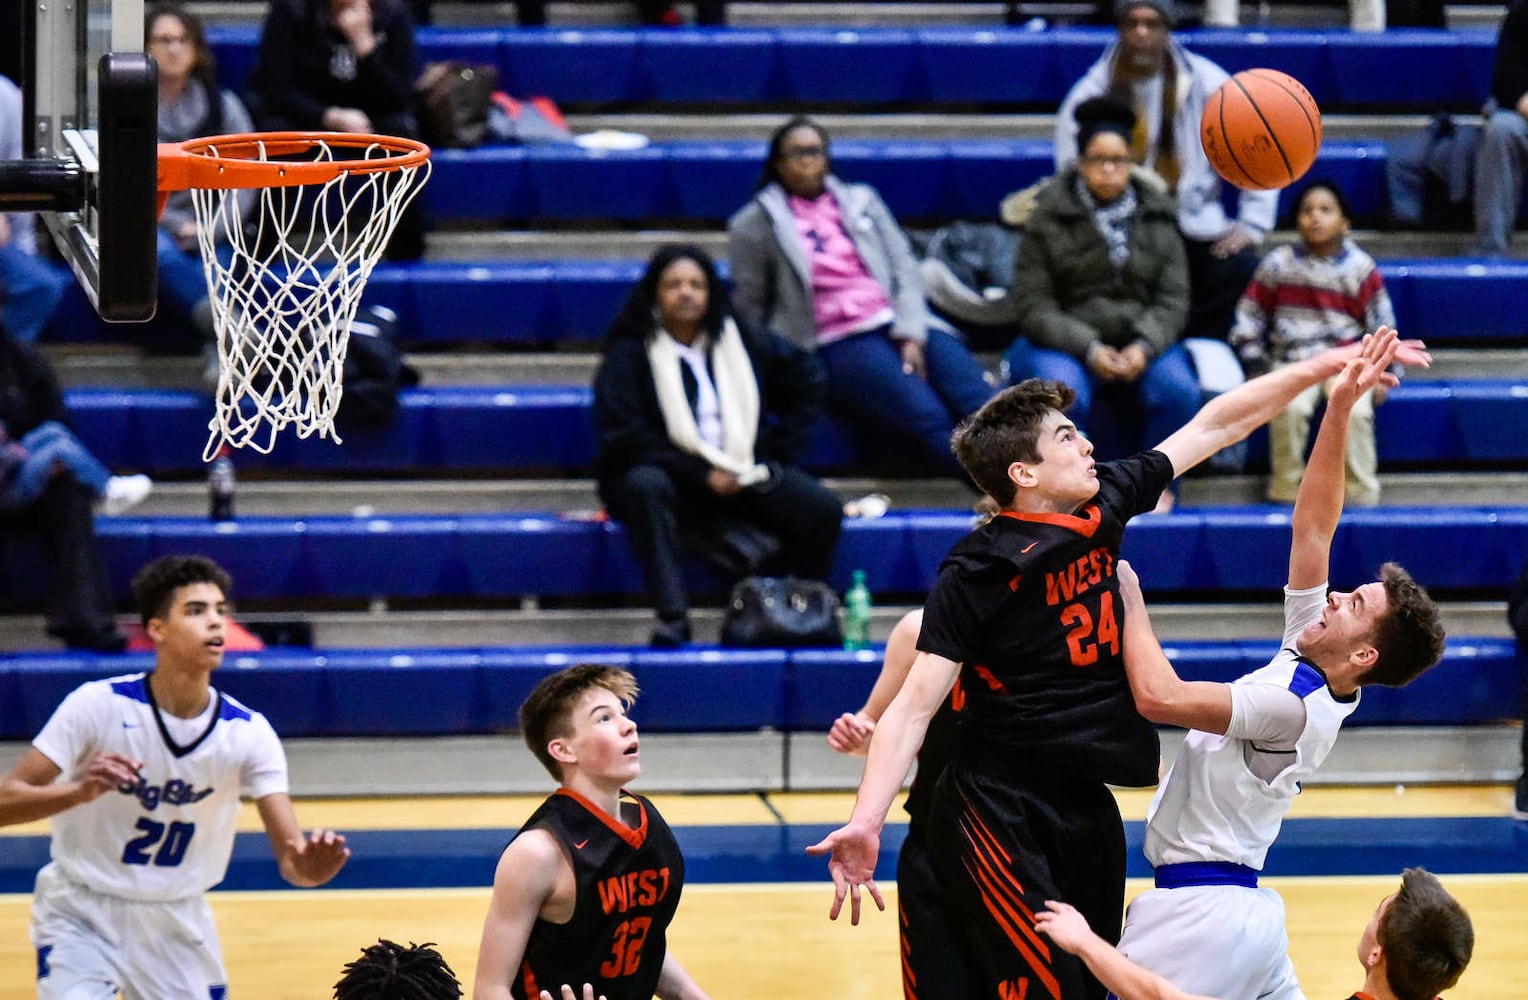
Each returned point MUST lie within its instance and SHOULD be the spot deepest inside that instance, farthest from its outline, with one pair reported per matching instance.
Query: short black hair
(156, 583)
(389, 971)
(1330, 187)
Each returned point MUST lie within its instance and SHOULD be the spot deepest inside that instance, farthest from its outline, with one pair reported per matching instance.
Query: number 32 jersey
(628, 880)
(1029, 605)
(169, 836)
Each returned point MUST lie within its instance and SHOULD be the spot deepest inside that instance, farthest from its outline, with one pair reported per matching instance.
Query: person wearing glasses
(1101, 291)
(1167, 87)
(822, 262)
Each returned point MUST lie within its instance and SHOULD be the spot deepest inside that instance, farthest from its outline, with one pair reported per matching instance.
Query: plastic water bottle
(857, 613)
(220, 485)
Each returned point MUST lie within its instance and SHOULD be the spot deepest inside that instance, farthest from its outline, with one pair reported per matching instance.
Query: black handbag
(771, 611)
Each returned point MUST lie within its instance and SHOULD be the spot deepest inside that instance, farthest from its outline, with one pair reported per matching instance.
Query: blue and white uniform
(1207, 927)
(122, 903)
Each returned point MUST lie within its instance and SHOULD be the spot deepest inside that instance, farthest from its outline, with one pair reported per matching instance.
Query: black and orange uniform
(628, 880)
(1028, 605)
(931, 965)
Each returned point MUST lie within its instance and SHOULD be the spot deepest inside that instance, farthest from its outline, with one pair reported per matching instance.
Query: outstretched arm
(855, 846)
(1126, 980)
(851, 731)
(1160, 695)
(1318, 505)
(1233, 415)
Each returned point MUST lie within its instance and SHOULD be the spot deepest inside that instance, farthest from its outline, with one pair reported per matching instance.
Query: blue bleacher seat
(877, 67)
(445, 692)
(549, 428)
(492, 182)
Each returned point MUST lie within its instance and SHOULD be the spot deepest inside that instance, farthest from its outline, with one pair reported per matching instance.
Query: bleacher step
(382, 627)
(584, 243)
(122, 367)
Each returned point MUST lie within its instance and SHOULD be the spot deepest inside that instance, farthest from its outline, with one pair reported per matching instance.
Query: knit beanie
(1163, 7)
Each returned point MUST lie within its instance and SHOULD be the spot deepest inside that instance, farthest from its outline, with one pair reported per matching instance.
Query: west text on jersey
(639, 888)
(1080, 576)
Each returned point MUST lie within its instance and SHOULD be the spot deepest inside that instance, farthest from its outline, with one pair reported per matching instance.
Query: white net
(284, 278)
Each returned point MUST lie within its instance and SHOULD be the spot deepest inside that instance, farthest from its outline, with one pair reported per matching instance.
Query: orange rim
(241, 159)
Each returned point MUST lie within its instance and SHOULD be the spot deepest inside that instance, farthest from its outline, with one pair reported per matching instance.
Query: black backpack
(374, 370)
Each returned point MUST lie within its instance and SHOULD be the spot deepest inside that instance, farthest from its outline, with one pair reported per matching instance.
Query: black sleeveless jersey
(627, 880)
(937, 751)
(1028, 604)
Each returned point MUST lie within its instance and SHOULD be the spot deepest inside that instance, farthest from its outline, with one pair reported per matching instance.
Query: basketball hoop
(284, 278)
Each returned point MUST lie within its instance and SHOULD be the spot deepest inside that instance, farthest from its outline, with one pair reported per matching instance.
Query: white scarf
(737, 395)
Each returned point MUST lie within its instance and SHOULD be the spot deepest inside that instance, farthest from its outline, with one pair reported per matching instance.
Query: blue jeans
(29, 292)
(1167, 396)
(1499, 167)
(898, 414)
(50, 445)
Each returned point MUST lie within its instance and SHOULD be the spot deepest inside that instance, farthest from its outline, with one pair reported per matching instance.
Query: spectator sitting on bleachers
(1101, 291)
(824, 263)
(341, 66)
(1322, 292)
(29, 288)
(190, 105)
(1168, 86)
(700, 424)
(49, 486)
(1502, 158)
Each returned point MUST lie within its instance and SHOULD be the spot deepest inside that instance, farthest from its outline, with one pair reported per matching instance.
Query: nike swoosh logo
(129, 725)
(1028, 547)
(580, 845)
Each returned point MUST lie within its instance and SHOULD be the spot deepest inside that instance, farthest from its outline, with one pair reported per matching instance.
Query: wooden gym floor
(745, 936)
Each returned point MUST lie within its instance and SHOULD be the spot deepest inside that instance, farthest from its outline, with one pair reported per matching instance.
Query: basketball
(1261, 130)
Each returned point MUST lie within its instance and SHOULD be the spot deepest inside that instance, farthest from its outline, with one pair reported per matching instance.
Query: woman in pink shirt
(823, 263)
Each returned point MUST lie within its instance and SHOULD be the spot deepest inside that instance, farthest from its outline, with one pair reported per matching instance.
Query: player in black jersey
(585, 892)
(1025, 614)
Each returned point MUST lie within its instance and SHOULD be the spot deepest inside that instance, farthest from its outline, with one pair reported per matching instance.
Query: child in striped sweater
(1305, 297)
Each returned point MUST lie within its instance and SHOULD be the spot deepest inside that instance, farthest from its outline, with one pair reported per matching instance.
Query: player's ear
(155, 629)
(561, 751)
(1022, 475)
(1364, 656)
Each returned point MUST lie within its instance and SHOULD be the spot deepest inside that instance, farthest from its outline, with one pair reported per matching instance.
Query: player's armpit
(674, 983)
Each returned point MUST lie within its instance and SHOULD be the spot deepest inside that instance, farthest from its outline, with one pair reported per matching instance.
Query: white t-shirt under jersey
(171, 836)
(1213, 806)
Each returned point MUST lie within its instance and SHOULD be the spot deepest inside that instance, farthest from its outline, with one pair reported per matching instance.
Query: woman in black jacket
(700, 424)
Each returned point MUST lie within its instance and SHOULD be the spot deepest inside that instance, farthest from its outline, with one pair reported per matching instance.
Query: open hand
(853, 851)
(568, 994)
(320, 857)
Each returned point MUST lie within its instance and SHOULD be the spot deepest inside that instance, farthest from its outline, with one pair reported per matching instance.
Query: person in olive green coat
(1101, 291)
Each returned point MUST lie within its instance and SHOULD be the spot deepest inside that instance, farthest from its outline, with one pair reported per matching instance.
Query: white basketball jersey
(171, 835)
(1211, 807)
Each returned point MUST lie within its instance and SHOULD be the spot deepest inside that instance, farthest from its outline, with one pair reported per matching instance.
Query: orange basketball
(1261, 129)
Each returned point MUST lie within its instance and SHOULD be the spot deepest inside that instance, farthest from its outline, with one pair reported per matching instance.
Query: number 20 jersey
(170, 836)
(628, 881)
(1029, 605)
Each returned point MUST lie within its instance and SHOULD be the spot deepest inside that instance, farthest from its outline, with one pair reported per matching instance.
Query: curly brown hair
(1409, 637)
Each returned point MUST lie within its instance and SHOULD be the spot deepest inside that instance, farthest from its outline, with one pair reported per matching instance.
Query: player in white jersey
(1207, 927)
(142, 776)
(1416, 945)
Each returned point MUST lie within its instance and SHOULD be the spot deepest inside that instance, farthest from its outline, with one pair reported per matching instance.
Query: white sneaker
(123, 493)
